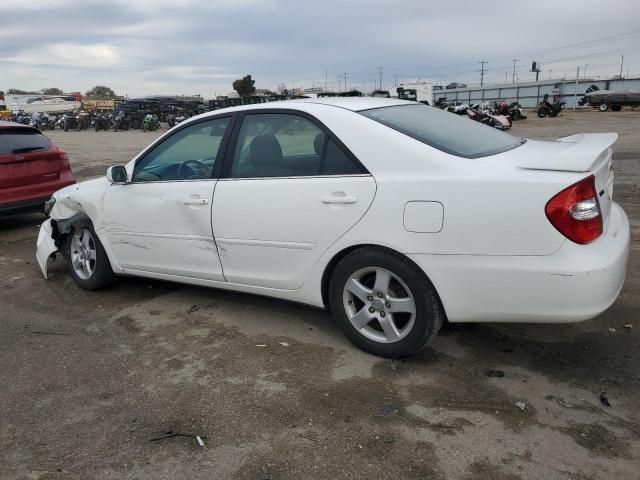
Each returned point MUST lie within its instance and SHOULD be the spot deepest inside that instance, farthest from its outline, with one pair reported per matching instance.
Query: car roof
(354, 104)
(5, 125)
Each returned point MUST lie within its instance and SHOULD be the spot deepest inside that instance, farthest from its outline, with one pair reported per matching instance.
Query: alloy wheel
(379, 305)
(83, 253)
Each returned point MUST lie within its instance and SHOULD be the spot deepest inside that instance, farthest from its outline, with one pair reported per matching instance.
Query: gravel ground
(116, 384)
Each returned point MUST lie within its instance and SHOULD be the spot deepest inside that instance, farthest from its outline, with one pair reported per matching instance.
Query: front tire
(87, 260)
(384, 303)
(603, 107)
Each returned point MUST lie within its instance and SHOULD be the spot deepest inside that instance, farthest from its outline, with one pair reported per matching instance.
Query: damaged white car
(392, 214)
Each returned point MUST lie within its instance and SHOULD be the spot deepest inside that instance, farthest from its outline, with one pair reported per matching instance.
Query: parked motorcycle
(101, 122)
(150, 123)
(49, 121)
(69, 121)
(497, 119)
(515, 111)
(36, 121)
(545, 108)
(21, 117)
(121, 121)
(441, 103)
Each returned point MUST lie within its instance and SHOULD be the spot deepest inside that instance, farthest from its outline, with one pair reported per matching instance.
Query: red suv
(31, 168)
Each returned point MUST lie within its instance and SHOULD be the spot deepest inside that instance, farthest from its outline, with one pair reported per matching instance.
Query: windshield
(445, 131)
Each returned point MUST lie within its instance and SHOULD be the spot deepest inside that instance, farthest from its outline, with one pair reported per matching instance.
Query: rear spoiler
(583, 151)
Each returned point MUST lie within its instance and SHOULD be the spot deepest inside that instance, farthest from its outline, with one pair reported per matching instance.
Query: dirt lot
(114, 384)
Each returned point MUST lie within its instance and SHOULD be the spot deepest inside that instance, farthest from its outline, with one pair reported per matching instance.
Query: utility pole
(513, 76)
(621, 64)
(326, 79)
(345, 81)
(482, 62)
(505, 76)
(585, 71)
(380, 76)
(549, 74)
(575, 93)
(396, 82)
(339, 80)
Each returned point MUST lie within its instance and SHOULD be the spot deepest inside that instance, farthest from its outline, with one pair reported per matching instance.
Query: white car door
(160, 222)
(290, 189)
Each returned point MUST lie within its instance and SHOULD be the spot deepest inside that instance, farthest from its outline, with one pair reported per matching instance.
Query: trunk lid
(584, 152)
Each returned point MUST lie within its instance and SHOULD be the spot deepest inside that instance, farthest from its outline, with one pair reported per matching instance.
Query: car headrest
(265, 149)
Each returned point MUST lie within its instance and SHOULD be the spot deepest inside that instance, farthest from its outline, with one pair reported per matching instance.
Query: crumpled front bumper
(46, 246)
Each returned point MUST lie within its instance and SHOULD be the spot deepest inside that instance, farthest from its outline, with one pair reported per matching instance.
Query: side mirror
(117, 174)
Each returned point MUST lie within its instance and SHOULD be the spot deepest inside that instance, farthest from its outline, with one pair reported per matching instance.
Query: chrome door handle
(195, 201)
(339, 199)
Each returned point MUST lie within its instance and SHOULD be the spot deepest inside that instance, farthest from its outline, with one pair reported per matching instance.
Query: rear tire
(616, 108)
(393, 321)
(87, 260)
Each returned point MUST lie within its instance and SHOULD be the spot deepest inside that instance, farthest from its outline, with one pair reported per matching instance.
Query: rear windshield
(22, 140)
(445, 131)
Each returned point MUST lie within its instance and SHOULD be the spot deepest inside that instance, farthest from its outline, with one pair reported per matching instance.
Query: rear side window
(287, 145)
(337, 162)
(445, 131)
(22, 141)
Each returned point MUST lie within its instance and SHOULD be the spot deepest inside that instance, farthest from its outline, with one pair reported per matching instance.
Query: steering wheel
(198, 170)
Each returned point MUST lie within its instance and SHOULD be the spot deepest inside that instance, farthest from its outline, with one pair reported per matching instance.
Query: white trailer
(417, 91)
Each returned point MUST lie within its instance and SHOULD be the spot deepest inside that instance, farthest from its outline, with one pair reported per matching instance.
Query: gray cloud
(199, 46)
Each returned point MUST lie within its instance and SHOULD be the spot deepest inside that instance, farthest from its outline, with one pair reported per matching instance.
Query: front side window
(189, 154)
(287, 145)
(445, 131)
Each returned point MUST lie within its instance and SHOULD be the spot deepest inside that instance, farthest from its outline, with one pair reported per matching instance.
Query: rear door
(291, 190)
(27, 158)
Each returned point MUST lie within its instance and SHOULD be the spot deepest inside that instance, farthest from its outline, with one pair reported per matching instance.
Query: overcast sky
(200, 46)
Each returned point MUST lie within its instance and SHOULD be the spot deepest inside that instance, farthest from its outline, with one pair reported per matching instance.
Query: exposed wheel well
(62, 228)
(343, 253)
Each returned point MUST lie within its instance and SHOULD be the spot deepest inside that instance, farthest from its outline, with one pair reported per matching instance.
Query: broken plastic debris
(521, 405)
(200, 442)
(261, 345)
(284, 344)
(612, 330)
(628, 326)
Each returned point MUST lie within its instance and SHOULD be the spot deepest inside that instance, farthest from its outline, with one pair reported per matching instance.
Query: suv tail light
(64, 157)
(575, 212)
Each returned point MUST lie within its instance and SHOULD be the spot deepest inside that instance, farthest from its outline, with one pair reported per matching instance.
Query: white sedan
(394, 215)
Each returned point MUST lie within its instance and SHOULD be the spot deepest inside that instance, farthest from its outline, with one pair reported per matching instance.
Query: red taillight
(63, 156)
(575, 211)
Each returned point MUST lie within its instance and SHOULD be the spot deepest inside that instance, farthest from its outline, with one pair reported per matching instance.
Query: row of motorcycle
(500, 115)
(81, 120)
